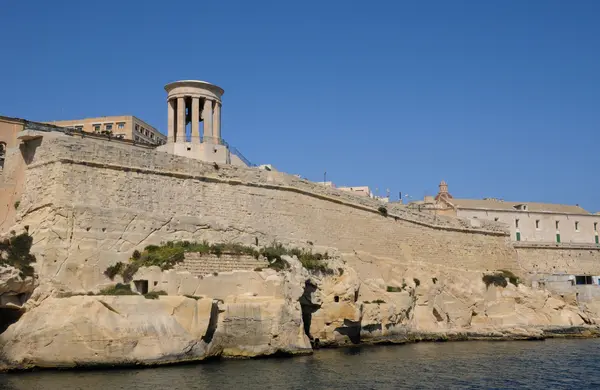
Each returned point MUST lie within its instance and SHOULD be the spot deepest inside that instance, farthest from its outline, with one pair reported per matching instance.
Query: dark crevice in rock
(9, 317)
(212, 323)
(351, 329)
(308, 308)
(372, 327)
(109, 307)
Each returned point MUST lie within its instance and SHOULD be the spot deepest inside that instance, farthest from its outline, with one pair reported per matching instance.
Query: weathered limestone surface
(204, 264)
(433, 302)
(90, 204)
(350, 306)
(578, 261)
(115, 330)
(14, 289)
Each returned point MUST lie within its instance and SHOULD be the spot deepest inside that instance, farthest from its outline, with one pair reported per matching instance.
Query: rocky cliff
(366, 300)
(396, 275)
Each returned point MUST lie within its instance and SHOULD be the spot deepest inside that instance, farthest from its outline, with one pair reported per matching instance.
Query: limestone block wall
(90, 203)
(199, 264)
(583, 260)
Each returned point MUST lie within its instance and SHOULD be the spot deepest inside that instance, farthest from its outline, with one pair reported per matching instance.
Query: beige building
(360, 190)
(529, 222)
(124, 126)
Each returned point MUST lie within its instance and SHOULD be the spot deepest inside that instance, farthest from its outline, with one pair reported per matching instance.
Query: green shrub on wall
(117, 289)
(172, 252)
(154, 294)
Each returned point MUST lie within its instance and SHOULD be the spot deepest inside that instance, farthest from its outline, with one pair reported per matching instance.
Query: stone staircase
(203, 264)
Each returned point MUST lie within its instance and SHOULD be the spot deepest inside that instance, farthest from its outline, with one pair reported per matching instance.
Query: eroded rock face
(118, 330)
(268, 312)
(390, 301)
(14, 289)
(89, 330)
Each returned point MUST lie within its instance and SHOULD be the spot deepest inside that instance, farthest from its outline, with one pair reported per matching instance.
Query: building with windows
(529, 222)
(125, 126)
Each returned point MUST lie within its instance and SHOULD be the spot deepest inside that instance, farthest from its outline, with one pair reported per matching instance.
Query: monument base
(202, 151)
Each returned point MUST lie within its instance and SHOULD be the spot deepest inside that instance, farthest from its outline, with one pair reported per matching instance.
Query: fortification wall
(564, 259)
(90, 203)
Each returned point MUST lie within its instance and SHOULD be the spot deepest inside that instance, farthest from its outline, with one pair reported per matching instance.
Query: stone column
(207, 115)
(195, 120)
(171, 121)
(217, 123)
(180, 133)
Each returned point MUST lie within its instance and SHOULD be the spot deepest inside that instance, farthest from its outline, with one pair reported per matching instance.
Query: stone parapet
(553, 245)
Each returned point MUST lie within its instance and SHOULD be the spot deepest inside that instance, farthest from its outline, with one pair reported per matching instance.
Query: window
(108, 126)
(137, 127)
(583, 279)
(80, 128)
(576, 226)
(595, 226)
(146, 132)
(120, 125)
(518, 236)
(152, 135)
(96, 127)
(558, 238)
(517, 223)
(537, 223)
(556, 225)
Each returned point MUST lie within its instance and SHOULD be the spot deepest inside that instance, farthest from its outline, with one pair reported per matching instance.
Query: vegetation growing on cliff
(512, 278)
(315, 262)
(499, 279)
(168, 255)
(15, 252)
(117, 289)
(155, 294)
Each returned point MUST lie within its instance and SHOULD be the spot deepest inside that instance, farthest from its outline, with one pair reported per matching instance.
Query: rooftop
(496, 204)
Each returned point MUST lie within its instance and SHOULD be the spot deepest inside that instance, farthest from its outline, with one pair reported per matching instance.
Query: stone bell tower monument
(192, 105)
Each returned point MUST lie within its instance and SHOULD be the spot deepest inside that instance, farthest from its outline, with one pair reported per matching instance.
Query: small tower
(443, 192)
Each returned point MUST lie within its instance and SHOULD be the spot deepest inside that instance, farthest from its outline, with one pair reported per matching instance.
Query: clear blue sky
(498, 98)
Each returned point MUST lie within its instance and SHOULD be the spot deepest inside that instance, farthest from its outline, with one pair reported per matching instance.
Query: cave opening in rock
(308, 307)
(9, 317)
(141, 286)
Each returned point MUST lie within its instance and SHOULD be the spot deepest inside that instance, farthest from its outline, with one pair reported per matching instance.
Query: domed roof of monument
(196, 84)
